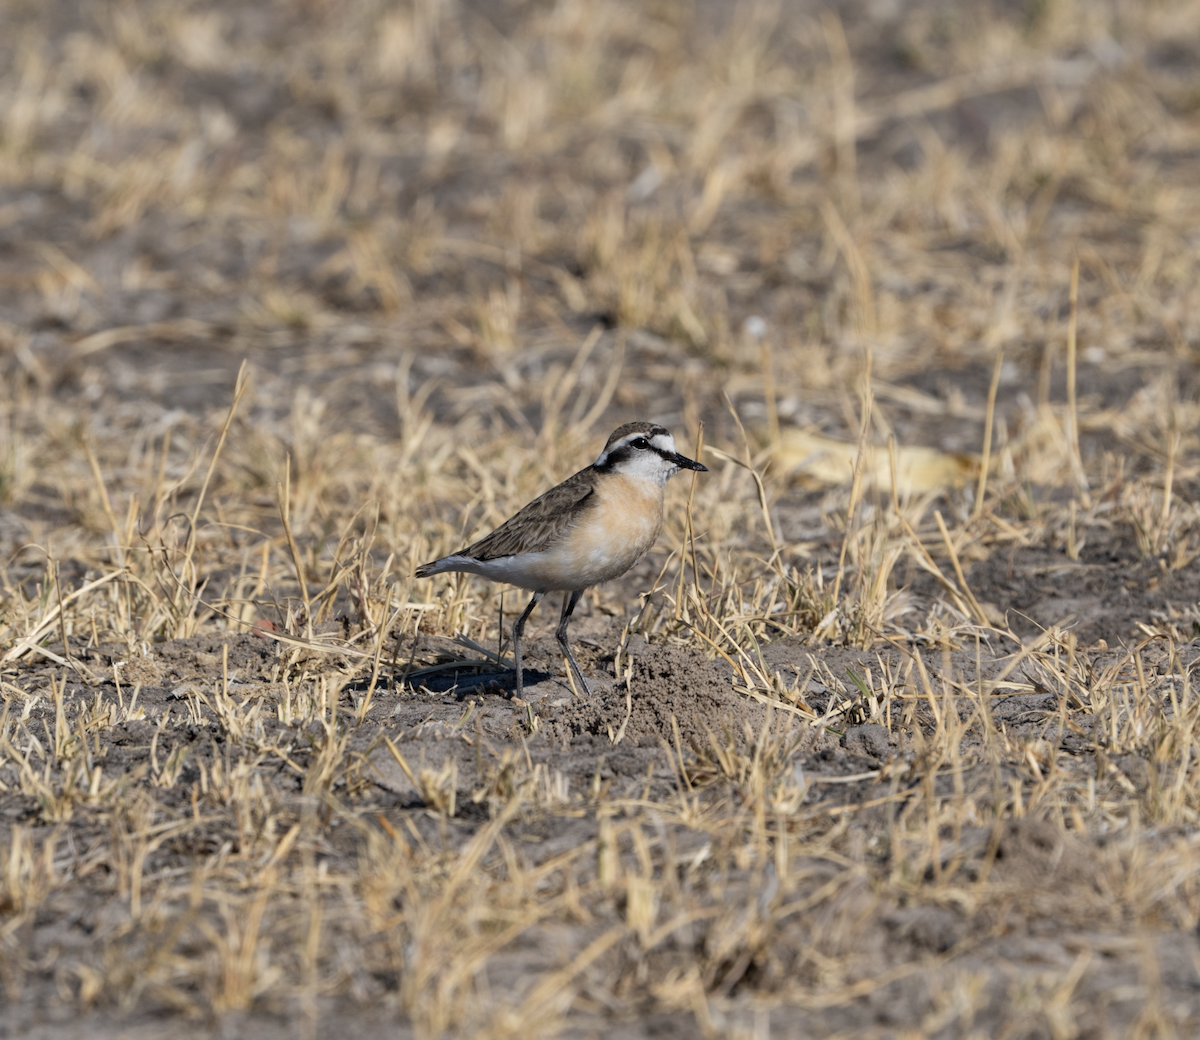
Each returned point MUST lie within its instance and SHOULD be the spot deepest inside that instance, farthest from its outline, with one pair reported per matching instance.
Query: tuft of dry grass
(895, 732)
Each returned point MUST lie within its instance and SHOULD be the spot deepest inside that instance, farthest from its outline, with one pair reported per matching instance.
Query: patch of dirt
(1033, 854)
(476, 741)
(667, 683)
(1103, 595)
(614, 736)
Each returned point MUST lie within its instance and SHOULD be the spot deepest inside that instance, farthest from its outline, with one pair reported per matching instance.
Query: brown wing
(541, 522)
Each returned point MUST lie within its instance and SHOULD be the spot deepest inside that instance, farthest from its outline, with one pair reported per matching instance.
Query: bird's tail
(453, 562)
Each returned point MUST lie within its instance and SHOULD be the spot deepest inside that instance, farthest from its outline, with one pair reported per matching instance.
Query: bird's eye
(641, 443)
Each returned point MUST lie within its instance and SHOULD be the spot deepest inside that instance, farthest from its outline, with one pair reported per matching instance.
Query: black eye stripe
(626, 450)
(660, 452)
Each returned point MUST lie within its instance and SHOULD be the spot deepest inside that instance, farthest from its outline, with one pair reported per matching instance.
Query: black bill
(683, 462)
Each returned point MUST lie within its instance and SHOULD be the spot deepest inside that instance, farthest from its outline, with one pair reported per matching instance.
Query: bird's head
(646, 451)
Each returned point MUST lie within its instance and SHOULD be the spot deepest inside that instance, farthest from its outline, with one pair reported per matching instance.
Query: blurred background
(457, 238)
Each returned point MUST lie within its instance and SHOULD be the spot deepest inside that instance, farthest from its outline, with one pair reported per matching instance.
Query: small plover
(592, 527)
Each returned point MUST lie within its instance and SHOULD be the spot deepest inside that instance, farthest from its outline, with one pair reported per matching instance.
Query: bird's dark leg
(569, 601)
(517, 629)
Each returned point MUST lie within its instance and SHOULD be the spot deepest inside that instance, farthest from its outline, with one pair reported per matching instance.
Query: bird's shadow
(465, 684)
(470, 683)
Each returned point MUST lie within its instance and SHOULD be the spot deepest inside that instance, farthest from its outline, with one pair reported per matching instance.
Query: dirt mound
(1035, 855)
(667, 682)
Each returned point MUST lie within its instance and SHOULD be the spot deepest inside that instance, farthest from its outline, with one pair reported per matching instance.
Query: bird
(591, 528)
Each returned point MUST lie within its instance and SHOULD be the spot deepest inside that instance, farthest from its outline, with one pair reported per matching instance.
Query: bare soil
(615, 750)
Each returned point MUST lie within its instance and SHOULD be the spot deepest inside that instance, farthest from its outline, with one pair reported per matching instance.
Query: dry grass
(927, 282)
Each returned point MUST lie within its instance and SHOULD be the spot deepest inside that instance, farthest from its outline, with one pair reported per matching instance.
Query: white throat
(645, 465)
